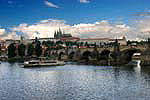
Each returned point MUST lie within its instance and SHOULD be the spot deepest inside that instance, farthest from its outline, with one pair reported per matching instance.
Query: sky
(82, 18)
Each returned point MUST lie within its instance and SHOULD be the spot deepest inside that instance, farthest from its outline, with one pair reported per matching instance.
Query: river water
(74, 82)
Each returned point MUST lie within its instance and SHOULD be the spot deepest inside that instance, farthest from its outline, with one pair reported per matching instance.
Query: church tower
(55, 34)
(58, 34)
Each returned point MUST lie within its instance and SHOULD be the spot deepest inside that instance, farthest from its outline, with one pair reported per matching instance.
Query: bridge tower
(116, 55)
(148, 43)
(116, 50)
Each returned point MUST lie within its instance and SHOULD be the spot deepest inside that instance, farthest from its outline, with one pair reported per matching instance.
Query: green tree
(0, 49)
(11, 50)
(58, 43)
(38, 49)
(86, 44)
(81, 43)
(50, 43)
(21, 50)
(30, 49)
(44, 43)
(69, 43)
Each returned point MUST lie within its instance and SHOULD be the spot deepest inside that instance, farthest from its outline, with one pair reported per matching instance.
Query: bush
(16, 59)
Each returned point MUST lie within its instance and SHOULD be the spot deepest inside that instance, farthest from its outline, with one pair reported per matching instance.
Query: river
(73, 82)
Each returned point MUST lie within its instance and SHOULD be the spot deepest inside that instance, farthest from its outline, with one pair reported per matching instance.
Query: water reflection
(74, 82)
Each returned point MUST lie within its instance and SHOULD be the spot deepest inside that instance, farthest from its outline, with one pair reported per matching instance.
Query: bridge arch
(105, 54)
(71, 55)
(85, 55)
(128, 54)
(60, 55)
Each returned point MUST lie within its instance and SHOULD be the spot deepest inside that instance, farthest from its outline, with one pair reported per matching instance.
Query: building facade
(99, 41)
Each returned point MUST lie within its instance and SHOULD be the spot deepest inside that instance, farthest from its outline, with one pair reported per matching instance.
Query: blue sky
(83, 18)
(14, 12)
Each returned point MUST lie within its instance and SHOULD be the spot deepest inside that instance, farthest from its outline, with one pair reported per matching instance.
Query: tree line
(35, 48)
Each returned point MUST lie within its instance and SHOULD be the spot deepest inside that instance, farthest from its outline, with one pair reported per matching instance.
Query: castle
(59, 34)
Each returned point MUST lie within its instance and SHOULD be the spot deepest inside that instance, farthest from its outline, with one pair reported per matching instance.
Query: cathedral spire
(55, 34)
(59, 29)
(60, 32)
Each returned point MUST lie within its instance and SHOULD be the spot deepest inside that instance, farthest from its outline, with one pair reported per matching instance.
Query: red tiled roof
(115, 39)
(101, 39)
(70, 38)
(95, 39)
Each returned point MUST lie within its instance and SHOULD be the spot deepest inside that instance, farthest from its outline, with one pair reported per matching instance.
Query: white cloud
(50, 4)
(2, 31)
(84, 1)
(142, 28)
(100, 29)
(10, 35)
(46, 28)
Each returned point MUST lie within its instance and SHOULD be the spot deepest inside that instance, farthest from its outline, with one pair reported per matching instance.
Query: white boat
(134, 63)
(38, 63)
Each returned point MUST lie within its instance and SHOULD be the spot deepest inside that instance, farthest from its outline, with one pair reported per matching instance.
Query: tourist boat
(38, 63)
(134, 63)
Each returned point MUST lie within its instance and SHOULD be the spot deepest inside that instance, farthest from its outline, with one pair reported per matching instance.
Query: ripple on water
(73, 82)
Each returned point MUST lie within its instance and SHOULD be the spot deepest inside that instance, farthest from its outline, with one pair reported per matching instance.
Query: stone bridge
(77, 53)
(68, 51)
(114, 55)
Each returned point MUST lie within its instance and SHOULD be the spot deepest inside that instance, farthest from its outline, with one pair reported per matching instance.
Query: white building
(122, 41)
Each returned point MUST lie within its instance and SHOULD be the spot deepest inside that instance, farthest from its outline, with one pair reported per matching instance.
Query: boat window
(33, 62)
(50, 62)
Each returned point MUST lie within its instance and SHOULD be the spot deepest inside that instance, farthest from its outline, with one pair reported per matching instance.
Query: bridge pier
(116, 55)
(145, 58)
(77, 55)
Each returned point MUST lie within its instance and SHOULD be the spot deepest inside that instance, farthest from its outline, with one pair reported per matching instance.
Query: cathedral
(59, 34)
